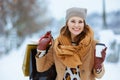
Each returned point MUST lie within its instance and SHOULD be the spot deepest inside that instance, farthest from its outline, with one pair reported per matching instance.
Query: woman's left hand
(99, 60)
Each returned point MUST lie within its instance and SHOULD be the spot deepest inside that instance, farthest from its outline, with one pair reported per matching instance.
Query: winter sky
(58, 7)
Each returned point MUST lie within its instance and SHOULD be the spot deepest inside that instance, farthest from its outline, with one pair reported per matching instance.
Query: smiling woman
(76, 26)
(73, 51)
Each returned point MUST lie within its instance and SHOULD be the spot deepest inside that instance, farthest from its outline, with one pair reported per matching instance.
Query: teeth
(76, 29)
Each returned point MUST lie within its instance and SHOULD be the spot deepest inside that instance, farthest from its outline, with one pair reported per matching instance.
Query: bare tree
(27, 16)
(23, 16)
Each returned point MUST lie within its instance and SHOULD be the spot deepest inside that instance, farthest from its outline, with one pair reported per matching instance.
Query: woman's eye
(73, 21)
(80, 21)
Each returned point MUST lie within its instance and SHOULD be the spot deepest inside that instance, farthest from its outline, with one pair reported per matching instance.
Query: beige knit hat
(74, 11)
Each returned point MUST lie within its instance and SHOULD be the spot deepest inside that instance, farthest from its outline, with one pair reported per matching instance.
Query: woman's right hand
(44, 41)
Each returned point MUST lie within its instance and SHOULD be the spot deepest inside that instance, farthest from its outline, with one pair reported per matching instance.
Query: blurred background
(23, 21)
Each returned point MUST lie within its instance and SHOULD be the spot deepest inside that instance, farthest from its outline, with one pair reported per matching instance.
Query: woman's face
(75, 25)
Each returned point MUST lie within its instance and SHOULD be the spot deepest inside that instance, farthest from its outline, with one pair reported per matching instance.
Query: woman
(73, 50)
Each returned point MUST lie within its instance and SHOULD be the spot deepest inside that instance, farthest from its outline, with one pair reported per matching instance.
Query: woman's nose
(76, 24)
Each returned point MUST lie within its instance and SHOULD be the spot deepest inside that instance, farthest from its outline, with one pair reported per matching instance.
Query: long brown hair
(79, 37)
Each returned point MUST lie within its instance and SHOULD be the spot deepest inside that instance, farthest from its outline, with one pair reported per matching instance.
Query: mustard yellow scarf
(70, 55)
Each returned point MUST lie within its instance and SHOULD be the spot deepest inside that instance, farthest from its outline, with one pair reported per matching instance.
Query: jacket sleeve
(100, 74)
(45, 62)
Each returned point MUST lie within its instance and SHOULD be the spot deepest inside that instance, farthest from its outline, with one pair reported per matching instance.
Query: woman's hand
(44, 41)
(99, 60)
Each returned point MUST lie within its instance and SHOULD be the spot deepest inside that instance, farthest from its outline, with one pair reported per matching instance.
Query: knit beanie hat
(74, 11)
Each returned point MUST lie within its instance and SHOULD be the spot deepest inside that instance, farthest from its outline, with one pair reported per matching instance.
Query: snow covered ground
(112, 71)
(11, 66)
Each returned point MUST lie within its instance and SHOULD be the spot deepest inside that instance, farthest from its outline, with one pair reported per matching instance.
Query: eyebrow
(78, 20)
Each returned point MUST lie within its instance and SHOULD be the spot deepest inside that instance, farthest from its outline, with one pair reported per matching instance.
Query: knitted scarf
(70, 55)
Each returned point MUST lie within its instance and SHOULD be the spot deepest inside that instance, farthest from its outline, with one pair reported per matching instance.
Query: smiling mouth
(76, 29)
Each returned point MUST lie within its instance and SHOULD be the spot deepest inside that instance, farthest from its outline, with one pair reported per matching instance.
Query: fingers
(104, 53)
(48, 34)
(104, 50)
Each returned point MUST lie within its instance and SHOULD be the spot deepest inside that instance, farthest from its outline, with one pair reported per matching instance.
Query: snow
(11, 65)
(112, 71)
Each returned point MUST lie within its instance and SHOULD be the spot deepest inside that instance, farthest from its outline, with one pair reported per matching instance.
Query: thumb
(104, 53)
